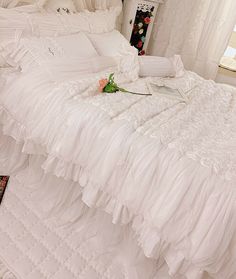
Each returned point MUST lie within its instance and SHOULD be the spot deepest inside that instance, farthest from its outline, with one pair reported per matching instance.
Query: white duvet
(165, 167)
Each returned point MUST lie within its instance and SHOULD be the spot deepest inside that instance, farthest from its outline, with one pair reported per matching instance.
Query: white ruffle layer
(179, 209)
(188, 251)
(12, 159)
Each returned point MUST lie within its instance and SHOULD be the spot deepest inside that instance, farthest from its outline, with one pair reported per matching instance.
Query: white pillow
(33, 51)
(80, 67)
(47, 24)
(178, 65)
(114, 44)
(109, 43)
(156, 66)
(75, 45)
(16, 23)
(60, 6)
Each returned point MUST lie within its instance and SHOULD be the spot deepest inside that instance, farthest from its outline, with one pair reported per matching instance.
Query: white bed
(113, 185)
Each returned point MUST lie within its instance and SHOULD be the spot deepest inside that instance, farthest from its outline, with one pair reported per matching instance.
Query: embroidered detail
(51, 51)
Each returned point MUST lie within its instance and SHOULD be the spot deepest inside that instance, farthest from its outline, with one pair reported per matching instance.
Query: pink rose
(102, 84)
(142, 52)
(147, 20)
(140, 44)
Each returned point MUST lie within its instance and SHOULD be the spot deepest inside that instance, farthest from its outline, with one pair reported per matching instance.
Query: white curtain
(198, 30)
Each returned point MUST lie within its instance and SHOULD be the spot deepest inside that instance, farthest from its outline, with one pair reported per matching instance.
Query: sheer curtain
(198, 30)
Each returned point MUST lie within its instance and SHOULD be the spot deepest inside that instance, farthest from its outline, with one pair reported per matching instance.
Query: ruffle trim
(149, 237)
(152, 242)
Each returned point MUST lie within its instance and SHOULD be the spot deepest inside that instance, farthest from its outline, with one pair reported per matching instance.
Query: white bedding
(32, 247)
(165, 168)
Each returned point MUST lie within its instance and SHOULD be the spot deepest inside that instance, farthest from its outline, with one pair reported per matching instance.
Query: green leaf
(109, 88)
(111, 77)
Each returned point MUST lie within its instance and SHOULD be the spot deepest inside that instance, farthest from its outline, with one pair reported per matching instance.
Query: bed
(109, 185)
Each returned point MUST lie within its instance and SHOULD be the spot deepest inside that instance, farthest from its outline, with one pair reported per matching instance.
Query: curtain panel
(198, 30)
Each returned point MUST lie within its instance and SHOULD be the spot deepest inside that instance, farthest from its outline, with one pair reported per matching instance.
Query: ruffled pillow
(156, 66)
(29, 21)
(31, 52)
(109, 43)
(47, 24)
(60, 6)
(114, 44)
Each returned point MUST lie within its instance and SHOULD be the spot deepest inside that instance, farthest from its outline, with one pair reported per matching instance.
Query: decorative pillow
(60, 6)
(92, 5)
(109, 43)
(28, 21)
(114, 44)
(156, 66)
(81, 67)
(40, 24)
(178, 65)
(30, 52)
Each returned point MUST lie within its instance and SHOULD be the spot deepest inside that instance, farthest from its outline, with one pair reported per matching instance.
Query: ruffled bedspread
(165, 167)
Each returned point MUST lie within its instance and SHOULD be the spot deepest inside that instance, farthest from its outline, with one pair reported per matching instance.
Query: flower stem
(134, 93)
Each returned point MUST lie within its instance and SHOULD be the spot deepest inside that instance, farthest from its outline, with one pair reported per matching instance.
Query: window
(228, 61)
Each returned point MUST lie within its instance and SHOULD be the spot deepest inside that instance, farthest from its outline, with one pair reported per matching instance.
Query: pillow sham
(30, 52)
(109, 43)
(60, 6)
(63, 69)
(155, 66)
(114, 44)
(47, 24)
(28, 21)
